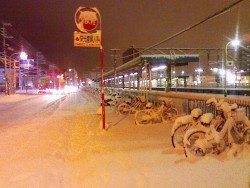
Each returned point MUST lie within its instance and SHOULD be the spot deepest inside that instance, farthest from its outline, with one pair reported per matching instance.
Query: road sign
(87, 23)
(27, 64)
(87, 39)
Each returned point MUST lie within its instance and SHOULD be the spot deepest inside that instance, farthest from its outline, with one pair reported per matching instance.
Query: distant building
(243, 64)
(2, 82)
(244, 57)
(130, 54)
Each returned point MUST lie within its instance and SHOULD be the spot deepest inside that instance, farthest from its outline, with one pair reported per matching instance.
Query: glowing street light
(233, 43)
(23, 56)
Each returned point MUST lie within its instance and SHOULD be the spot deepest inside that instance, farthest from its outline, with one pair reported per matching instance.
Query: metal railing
(187, 101)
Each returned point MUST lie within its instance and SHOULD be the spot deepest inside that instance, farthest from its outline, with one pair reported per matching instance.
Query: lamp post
(22, 56)
(233, 43)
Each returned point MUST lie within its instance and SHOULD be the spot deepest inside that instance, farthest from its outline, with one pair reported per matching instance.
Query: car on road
(43, 90)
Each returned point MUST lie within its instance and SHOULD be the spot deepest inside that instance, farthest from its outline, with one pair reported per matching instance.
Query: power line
(224, 10)
(17, 41)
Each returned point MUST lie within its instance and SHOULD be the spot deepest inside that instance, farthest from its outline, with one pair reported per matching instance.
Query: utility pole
(4, 35)
(115, 58)
(37, 71)
(54, 75)
(14, 75)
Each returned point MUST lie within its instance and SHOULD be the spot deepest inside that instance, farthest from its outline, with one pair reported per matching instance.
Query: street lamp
(22, 56)
(233, 43)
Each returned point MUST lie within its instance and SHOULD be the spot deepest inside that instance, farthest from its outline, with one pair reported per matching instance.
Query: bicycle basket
(239, 114)
(149, 105)
(196, 112)
(142, 99)
(168, 102)
(206, 118)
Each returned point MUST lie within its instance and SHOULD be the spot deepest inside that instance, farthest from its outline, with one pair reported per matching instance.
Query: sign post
(88, 22)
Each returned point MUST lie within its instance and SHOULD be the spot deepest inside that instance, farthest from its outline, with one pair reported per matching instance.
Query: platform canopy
(137, 62)
(170, 59)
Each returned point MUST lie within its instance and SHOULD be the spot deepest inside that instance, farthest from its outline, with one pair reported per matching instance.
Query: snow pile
(14, 98)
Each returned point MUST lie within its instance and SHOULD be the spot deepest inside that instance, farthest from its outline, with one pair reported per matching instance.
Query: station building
(191, 70)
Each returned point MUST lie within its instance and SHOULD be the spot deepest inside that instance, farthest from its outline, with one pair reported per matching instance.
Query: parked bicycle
(112, 98)
(150, 115)
(127, 107)
(182, 124)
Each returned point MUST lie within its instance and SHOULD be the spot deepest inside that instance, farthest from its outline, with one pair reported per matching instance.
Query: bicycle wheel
(192, 146)
(142, 117)
(238, 137)
(124, 109)
(169, 114)
(141, 106)
(177, 137)
(247, 136)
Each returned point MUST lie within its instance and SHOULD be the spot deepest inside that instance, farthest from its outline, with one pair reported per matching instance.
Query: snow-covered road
(64, 146)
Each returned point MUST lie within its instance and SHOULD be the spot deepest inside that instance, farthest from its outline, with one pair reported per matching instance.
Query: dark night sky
(49, 25)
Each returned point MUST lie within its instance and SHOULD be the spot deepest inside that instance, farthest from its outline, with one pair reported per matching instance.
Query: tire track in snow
(51, 110)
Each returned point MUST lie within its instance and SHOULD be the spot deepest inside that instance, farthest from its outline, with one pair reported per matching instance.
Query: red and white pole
(102, 67)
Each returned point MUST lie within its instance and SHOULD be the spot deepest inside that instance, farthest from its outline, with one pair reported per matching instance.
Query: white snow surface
(186, 119)
(68, 148)
(206, 118)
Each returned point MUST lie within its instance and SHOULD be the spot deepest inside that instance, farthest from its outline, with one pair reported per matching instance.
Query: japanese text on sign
(87, 39)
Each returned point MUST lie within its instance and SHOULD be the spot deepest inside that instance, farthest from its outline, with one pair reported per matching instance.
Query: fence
(185, 102)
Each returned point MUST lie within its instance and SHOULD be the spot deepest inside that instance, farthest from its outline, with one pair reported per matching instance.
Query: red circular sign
(86, 19)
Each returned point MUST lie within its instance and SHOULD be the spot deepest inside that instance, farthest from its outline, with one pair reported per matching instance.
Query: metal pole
(115, 72)
(129, 81)
(5, 63)
(37, 70)
(225, 68)
(150, 78)
(115, 58)
(14, 76)
(103, 107)
(54, 76)
(13, 82)
(20, 77)
(10, 78)
(73, 76)
(102, 67)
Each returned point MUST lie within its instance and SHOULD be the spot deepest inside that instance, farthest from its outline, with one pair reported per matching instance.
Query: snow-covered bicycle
(182, 124)
(127, 107)
(216, 138)
(164, 113)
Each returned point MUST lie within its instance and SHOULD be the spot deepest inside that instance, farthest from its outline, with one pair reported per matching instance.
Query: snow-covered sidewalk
(70, 149)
